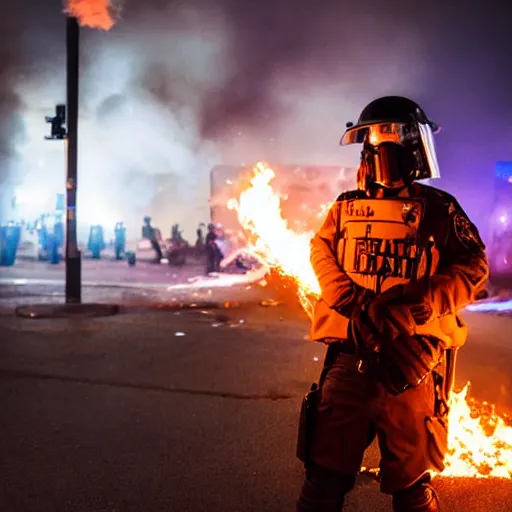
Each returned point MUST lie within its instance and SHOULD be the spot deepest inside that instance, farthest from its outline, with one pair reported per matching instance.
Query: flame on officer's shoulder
(480, 442)
(92, 13)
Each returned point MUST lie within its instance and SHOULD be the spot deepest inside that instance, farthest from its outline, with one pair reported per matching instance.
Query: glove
(400, 309)
(379, 319)
(390, 316)
(365, 334)
(361, 298)
(406, 361)
(418, 299)
(387, 327)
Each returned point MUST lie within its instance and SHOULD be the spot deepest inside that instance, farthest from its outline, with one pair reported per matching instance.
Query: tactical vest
(381, 244)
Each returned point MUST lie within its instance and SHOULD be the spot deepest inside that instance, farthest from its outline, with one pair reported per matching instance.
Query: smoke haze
(179, 86)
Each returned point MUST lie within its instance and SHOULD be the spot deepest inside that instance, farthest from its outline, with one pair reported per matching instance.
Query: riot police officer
(396, 260)
(150, 233)
(213, 253)
(119, 240)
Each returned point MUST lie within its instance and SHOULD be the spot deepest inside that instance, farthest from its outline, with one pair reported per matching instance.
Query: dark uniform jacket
(460, 273)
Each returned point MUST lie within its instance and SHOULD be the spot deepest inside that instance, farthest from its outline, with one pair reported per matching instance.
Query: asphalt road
(121, 414)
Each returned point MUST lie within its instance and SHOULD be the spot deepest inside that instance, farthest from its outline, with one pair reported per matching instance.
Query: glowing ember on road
(480, 442)
(92, 13)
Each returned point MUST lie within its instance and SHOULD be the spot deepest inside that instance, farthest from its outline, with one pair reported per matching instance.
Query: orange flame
(259, 213)
(92, 13)
(480, 442)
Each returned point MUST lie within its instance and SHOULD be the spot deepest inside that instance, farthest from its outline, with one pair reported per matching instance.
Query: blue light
(494, 306)
(503, 170)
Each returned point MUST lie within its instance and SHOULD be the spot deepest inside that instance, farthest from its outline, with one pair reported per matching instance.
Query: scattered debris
(270, 303)
(371, 472)
(237, 324)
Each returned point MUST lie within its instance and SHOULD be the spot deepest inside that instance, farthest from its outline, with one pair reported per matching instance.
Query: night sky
(272, 79)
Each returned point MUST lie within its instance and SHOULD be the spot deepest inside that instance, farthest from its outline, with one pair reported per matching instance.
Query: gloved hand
(371, 321)
(365, 334)
(400, 309)
(390, 317)
(418, 299)
(361, 297)
(387, 327)
(406, 361)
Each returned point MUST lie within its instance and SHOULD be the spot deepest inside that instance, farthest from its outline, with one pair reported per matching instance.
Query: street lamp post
(74, 305)
(73, 256)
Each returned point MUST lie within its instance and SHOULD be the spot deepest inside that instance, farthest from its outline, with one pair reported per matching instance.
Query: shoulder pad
(465, 231)
(441, 197)
(351, 194)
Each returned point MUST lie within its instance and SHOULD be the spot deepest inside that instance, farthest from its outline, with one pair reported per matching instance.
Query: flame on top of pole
(92, 13)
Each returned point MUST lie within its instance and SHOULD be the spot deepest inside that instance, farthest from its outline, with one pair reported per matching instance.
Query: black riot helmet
(398, 143)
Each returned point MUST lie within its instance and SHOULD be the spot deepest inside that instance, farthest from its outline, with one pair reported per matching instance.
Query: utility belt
(338, 346)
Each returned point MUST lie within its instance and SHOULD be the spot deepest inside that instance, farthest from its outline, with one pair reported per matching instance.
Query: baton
(449, 373)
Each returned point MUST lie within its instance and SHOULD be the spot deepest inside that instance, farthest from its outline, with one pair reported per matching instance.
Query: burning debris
(93, 13)
(480, 441)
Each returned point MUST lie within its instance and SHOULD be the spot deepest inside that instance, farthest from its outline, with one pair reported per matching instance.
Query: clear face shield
(392, 145)
(429, 147)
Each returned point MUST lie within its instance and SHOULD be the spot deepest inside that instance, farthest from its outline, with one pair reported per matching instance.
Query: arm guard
(463, 268)
(338, 290)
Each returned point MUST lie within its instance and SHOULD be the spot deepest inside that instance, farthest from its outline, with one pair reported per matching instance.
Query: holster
(308, 409)
(437, 425)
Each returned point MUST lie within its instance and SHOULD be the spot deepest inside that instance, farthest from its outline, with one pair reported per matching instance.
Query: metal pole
(73, 257)
(449, 375)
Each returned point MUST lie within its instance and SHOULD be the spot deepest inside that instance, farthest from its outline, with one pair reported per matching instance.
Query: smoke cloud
(92, 13)
(11, 123)
(178, 86)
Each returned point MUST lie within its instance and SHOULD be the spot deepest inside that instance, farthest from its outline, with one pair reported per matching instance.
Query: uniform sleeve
(463, 268)
(338, 290)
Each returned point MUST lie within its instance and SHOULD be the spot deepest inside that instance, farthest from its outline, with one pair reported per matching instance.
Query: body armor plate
(380, 244)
